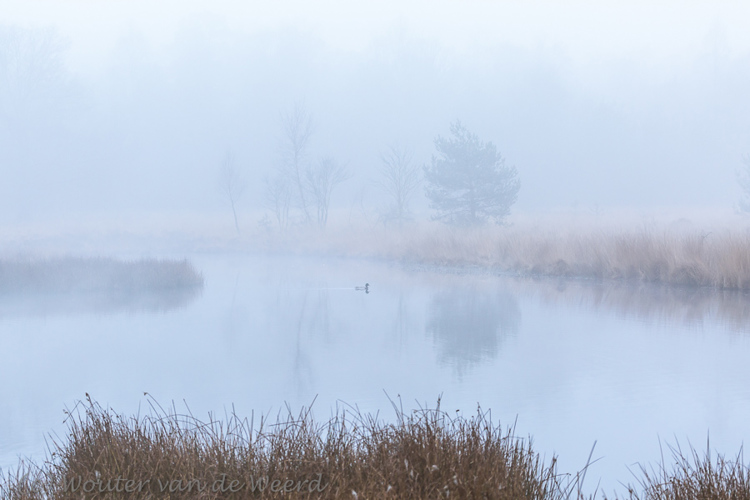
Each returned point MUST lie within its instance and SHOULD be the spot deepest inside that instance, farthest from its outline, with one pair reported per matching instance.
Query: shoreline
(711, 256)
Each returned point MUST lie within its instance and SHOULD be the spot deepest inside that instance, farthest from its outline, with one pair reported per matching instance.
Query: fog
(255, 140)
(129, 108)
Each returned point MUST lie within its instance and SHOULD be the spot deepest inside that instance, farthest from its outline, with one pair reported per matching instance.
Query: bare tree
(743, 178)
(400, 178)
(278, 197)
(320, 181)
(231, 184)
(32, 70)
(297, 127)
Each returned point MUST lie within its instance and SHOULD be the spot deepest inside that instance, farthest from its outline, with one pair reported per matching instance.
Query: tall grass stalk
(425, 453)
(693, 476)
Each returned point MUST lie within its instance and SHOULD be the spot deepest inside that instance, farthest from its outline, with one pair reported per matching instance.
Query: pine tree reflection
(468, 324)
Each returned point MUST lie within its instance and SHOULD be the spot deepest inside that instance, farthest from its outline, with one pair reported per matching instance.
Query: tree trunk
(234, 212)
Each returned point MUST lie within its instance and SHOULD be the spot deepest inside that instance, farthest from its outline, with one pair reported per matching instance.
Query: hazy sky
(584, 31)
(595, 103)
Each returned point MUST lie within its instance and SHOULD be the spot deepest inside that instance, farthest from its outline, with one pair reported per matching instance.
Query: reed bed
(423, 454)
(76, 274)
(674, 257)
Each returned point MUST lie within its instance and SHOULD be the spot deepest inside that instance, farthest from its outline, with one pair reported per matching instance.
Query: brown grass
(424, 454)
(694, 476)
(683, 258)
(720, 261)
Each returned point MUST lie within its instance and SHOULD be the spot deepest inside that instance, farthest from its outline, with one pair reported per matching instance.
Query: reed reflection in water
(693, 307)
(75, 285)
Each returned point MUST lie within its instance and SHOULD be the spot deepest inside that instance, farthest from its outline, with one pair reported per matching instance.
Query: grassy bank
(674, 257)
(713, 253)
(76, 275)
(424, 454)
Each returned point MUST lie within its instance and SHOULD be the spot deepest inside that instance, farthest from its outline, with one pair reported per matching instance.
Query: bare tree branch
(231, 184)
(743, 178)
(297, 127)
(320, 182)
(31, 69)
(400, 178)
(278, 197)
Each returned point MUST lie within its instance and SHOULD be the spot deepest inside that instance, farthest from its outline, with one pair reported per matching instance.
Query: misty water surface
(572, 363)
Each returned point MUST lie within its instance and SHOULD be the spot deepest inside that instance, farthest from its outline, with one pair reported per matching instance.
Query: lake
(571, 363)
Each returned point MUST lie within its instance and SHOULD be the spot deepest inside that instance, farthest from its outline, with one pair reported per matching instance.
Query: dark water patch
(72, 285)
(74, 274)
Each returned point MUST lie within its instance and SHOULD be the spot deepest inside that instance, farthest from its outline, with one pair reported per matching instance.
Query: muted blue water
(572, 363)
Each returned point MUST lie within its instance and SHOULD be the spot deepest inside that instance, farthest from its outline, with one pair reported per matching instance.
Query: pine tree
(468, 181)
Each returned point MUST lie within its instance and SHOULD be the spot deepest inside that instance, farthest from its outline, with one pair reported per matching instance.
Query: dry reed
(683, 258)
(693, 477)
(424, 454)
(720, 261)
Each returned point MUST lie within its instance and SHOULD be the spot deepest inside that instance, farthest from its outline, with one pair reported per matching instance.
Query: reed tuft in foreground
(424, 454)
(694, 476)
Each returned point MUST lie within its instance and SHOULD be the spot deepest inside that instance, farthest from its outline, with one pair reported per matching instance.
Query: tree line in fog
(466, 182)
(157, 133)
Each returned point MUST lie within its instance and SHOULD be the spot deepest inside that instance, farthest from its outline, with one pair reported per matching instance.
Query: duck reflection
(468, 324)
